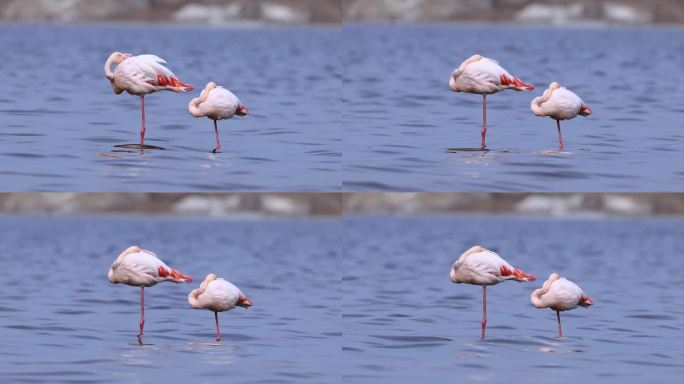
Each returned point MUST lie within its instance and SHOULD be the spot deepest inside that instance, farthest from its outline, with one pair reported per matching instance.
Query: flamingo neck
(108, 68)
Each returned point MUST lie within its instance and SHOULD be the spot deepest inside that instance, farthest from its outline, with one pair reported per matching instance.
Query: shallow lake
(61, 321)
(405, 130)
(60, 120)
(404, 321)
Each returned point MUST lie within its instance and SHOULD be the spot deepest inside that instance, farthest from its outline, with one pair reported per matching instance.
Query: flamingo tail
(173, 83)
(516, 274)
(516, 83)
(174, 275)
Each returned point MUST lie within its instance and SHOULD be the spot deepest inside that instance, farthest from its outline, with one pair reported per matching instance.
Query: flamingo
(484, 76)
(218, 295)
(216, 103)
(559, 103)
(480, 266)
(560, 294)
(140, 268)
(139, 76)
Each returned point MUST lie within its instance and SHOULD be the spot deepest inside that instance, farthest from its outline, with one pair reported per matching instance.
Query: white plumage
(559, 294)
(559, 103)
(216, 103)
(218, 295)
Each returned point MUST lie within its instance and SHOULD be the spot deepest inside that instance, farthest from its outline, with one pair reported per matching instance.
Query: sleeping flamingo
(216, 103)
(560, 294)
(480, 266)
(141, 75)
(484, 76)
(559, 104)
(218, 295)
(140, 268)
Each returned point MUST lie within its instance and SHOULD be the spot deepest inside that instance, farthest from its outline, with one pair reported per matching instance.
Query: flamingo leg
(560, 331)
(218, 141)
(484, 120)
(142, 310)
(484, 311)
(560, 137)
(142, 128)
(218, 332)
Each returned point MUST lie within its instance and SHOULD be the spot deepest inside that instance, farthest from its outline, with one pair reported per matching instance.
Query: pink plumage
(140, 76)
(140, 268)
(483, 76)
(480, 266)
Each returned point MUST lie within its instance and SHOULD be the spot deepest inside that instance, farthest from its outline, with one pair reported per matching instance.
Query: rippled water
(401, 119)
(60, 120)
(404, 321)
(62, 322)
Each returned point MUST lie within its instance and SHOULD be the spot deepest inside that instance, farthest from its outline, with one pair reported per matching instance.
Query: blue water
(60, 120)
(61, 321)
(402, 122)
(405, 322)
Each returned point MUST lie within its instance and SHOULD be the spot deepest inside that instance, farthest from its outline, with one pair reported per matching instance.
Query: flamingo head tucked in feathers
(585, 110)
(585, 301)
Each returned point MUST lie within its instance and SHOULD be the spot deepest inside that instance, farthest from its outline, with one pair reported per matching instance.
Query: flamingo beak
(244, 302)
(242, 111)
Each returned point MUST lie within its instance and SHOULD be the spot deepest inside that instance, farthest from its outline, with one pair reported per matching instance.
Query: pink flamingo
(559, 103)
(139, 76)
(218, 295)
(484, 76)
(216, 103)
(480, 266)
(560, 294)
(140, 268)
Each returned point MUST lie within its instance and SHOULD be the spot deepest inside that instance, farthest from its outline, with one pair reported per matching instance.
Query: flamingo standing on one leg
(141, 75)
(559, 104)
(216, 103)
(480, 266)
(218, 295)
(484, 76)
(560, 294)
(140, 268)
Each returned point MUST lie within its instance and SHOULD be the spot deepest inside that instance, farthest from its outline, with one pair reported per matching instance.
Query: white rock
(279, 13)
(626, 14)
(553, 14)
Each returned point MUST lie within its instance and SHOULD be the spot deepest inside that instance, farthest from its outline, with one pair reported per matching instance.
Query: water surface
(401, 119)
(60, 120)
(404, 321)
(62, 322)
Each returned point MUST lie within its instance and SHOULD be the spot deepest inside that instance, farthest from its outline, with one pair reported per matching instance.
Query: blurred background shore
(334, 204)
(302, 12)
(191, 12)
(556, 12)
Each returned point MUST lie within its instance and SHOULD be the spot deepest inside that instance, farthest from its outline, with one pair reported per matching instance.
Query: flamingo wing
(150, 69)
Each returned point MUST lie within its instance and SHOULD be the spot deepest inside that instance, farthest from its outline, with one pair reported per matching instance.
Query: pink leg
(218, 333)
(484, 120)
(218, 141)
(560, 331)
(142, 129)
(560, 137)
(142, 310)
(484, 311)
